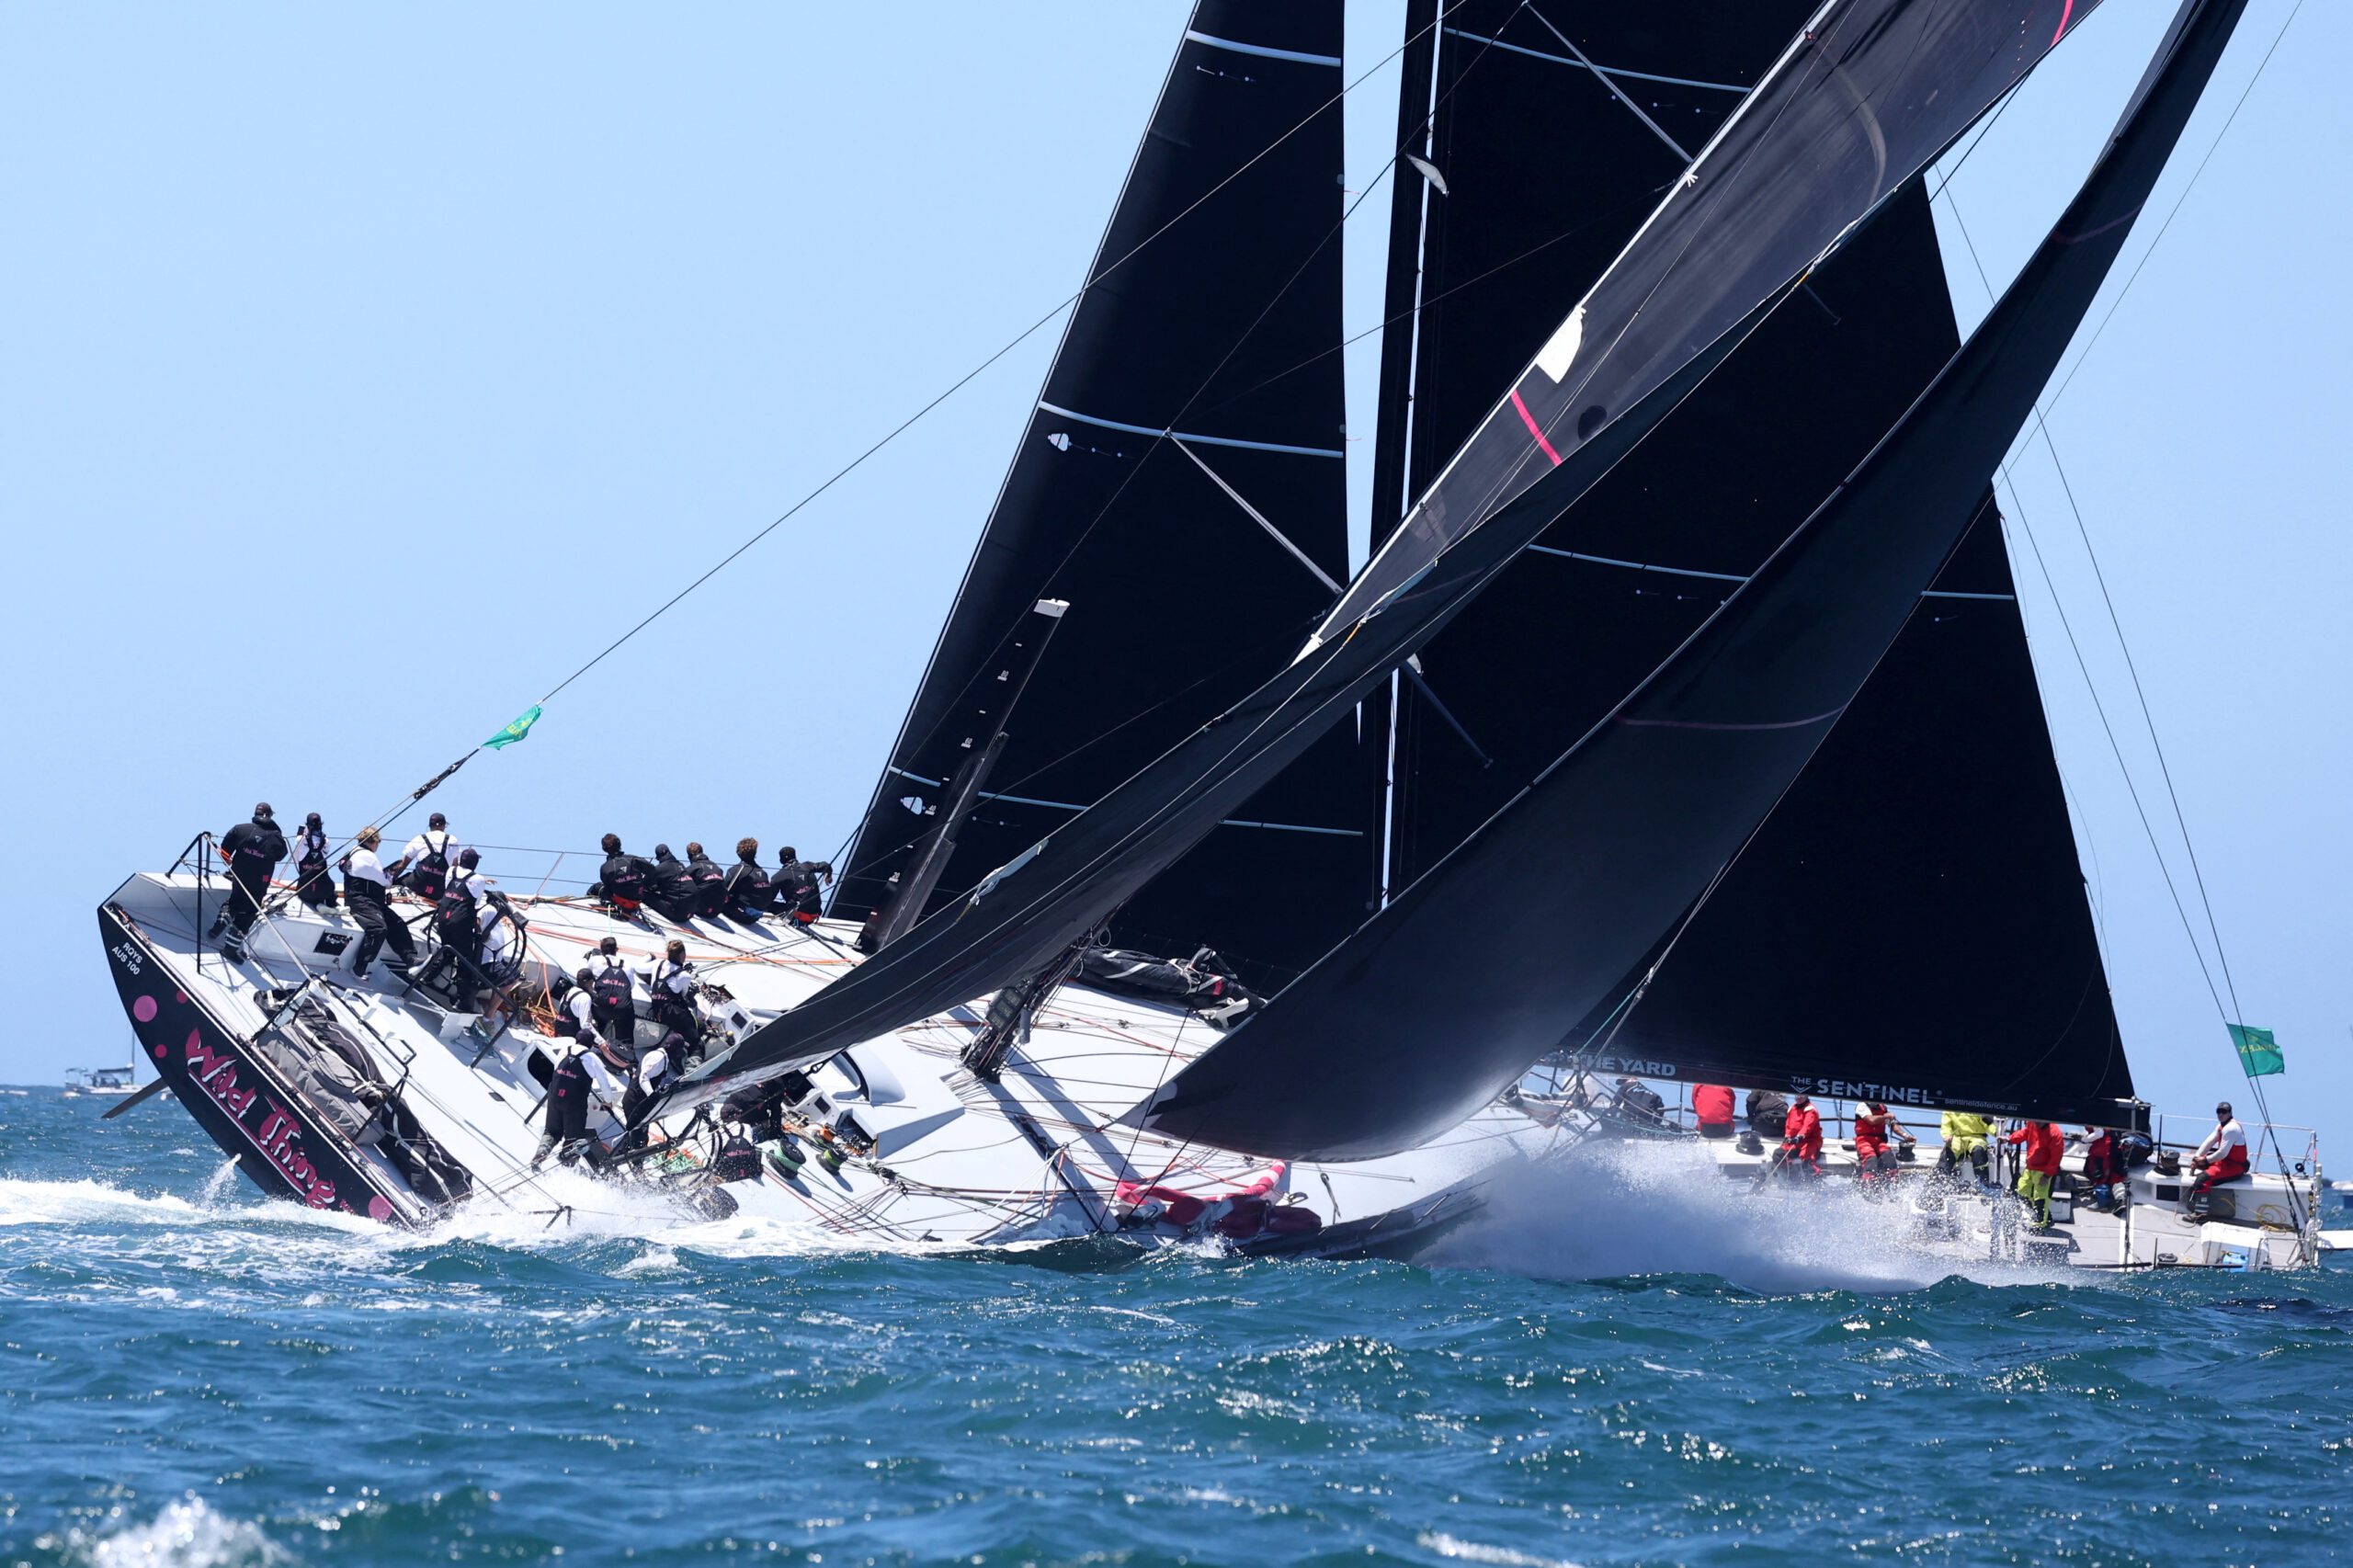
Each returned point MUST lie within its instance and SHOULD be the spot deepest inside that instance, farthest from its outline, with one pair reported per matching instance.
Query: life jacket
(431, 873)
(624, 879)
(738, 1160)
(315, 854)
(571, 1077)
(610, 992)
(453, 916)
(253, 854)
(747, 886)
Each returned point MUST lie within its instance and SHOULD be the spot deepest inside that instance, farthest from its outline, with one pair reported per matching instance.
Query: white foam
(1612, 1209)
(186, 1534)
(1473, 1552)
(76, 1203)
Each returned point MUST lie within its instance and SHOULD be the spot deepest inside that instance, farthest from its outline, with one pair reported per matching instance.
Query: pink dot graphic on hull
(379, 1210)
(143, 1009)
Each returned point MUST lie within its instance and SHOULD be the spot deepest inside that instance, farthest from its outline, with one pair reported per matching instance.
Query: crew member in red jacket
(1801, 1138)
(1712, 1108)
(1875, 1129)
(2045, 1145)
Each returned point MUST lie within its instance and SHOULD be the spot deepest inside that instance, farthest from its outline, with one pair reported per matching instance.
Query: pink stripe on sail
(2066, 11)
(1529, 420)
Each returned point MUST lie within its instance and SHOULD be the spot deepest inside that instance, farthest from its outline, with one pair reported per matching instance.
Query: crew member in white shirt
(2220, 1158)
(367, 893)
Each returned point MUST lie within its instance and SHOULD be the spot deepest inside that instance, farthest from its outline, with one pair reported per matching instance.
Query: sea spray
(1624, 1207)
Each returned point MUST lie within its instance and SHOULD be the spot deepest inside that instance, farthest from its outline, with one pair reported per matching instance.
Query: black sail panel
(1180, 599)
(1851, 109)
(1034, 904)
(1910, 922)
(1522, 931)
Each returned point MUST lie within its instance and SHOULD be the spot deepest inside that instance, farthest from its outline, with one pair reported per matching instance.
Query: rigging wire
(961, 381)
(2042, 426)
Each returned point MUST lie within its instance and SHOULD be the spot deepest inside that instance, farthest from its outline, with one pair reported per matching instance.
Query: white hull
(954, 1161)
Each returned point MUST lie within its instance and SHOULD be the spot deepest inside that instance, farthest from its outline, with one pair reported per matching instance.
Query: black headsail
(1854, 111)
(1919, 887)
(1524, 929)
(1131, 496)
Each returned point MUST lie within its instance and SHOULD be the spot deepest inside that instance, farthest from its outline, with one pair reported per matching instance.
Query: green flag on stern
(522, 726)
(2259, 1053)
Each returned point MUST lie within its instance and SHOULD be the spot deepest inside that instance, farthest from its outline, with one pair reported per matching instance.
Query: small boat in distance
(108, 1082)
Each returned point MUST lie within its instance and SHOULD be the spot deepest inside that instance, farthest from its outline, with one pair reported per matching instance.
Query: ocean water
(1627, 1365)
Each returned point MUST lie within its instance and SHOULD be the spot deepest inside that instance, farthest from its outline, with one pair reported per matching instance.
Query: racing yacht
(1599, 749)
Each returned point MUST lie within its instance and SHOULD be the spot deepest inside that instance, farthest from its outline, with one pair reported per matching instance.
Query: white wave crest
(78, 1203)
(186, 1534)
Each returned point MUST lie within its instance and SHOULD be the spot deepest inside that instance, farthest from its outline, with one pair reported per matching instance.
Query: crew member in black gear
(709, 881)
(794, 887)
(746, 889)
(655, 1071)
(565, 1131)
(1768, 1113)
(367, 893)
(625, 879)
(672, 987)
(312, 885)
(612, 1001)
(1639, 1104)
(738, 1159)
(457, 925)
(253, 850)
(672, 888)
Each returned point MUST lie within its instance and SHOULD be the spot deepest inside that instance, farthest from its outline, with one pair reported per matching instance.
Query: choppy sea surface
(1630, 1365)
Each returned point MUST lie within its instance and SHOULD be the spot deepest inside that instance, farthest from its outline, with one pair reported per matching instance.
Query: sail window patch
(1563, 346)
(1260, 50)
(1191, 436)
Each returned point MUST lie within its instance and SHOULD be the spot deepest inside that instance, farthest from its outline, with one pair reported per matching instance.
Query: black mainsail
(1192, 510)
(1601, 856)
(1850, 114)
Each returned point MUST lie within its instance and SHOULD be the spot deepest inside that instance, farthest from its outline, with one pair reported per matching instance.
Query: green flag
(2259, 1053)
(516, 731)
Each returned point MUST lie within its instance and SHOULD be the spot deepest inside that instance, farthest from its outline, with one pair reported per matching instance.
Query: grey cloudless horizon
(367, 371)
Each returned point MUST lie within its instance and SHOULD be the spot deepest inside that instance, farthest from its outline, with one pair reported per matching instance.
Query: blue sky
(364, 369)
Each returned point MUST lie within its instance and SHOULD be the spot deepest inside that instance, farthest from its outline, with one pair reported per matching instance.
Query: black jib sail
(1191, 511)
(1036, 904)
(1523, 930)
(1866, 95)
(1918, 893)
(1910, 922)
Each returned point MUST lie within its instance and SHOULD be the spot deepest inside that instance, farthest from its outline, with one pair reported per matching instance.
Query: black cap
(587, 1037)
(586, 978)
(261, 809)
(469, 856)
(661, 852)
(437, 820)
(2223, 1108)
(609, 947)
(311, 820)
